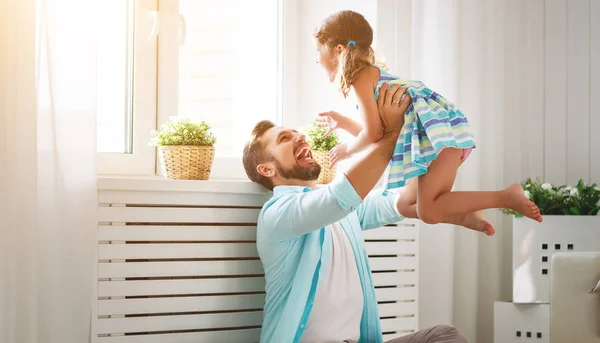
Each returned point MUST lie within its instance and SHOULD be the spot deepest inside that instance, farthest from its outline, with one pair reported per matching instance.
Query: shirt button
(302, 326)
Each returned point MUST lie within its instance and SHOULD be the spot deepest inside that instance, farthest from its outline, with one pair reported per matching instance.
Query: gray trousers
(436, 334)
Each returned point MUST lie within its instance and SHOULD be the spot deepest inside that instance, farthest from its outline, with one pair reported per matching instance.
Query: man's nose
(300, 137)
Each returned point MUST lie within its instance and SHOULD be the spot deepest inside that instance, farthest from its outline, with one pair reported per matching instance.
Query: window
(127, 69)
(114, 78)
(212, 61)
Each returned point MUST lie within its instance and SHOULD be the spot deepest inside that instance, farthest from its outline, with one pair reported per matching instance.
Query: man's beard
(299, 173)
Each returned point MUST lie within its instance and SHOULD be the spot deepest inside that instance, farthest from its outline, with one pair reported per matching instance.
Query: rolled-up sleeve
(378, 210)
(294, 214)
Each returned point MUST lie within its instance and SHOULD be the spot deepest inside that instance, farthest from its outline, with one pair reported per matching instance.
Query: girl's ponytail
(351, 61)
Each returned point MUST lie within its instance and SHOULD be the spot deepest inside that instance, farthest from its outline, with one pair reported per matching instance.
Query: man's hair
(254, 154)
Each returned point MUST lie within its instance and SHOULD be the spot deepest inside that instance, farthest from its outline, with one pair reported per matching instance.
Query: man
(318, 281)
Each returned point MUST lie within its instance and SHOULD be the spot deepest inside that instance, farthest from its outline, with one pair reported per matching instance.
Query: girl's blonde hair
(351, 30)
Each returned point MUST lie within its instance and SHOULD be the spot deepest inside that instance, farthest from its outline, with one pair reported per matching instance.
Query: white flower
(527, 194)
(547, 186)
(527, 185)
(574, 192)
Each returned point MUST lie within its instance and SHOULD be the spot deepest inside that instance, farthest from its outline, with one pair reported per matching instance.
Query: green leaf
(183, 132)
(575, 211)
(317, 142)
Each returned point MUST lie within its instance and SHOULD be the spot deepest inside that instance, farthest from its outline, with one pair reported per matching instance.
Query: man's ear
(266, 169)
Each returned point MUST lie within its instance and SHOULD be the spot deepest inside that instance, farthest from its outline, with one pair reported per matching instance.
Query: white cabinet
(520, 323)
(534, 244)
(527, 318)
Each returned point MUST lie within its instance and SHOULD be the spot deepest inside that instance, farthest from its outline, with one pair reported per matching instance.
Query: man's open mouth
(304, 155)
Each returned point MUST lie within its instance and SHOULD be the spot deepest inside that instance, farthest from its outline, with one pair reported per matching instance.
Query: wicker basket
(186, 162)
(327, 174)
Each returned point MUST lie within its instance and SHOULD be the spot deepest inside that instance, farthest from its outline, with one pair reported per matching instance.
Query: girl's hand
(337, 154)
(331, 120)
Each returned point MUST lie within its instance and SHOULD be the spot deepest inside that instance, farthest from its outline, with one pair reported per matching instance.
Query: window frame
(154, 99)
(141, 160)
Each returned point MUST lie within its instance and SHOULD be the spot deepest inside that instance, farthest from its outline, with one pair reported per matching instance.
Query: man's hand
(392, 103)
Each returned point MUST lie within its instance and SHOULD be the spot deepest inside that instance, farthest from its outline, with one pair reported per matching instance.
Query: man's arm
(365, 174)
(297, 214)
(378, 210)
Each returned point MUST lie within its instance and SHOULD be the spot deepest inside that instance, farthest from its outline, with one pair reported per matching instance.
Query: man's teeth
(303, 153)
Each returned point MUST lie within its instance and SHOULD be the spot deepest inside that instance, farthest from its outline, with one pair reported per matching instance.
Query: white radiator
(177, 263)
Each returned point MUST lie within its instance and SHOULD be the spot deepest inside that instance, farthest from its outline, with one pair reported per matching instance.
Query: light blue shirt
(294, 242)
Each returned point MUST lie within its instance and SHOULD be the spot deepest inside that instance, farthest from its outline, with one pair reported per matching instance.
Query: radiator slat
(181, 198)
(392, 263)
(397, 309)
(395, 279)
(184, 250)
(179, 323)
(176, 215)
(179, 269)
(394, 324)
(183, 286)
(181, 304)
(404, 230)
(397, 293)
(252, 335)
(392, 248)
(180, 233)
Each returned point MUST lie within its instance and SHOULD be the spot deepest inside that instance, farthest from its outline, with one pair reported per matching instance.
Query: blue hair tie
(351, 42)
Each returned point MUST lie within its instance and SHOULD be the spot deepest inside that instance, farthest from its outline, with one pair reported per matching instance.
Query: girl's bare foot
(475, 221)
(517, 201)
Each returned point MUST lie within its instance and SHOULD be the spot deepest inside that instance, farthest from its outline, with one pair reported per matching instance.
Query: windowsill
(160, 184)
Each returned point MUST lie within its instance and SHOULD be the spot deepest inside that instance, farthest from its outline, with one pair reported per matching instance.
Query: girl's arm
(351, 126)
(364, 88)
(334, 120)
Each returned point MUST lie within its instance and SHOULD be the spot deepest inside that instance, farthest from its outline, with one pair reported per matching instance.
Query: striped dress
(431, 123)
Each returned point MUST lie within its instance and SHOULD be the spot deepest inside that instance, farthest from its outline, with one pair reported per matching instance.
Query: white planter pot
(535, 243)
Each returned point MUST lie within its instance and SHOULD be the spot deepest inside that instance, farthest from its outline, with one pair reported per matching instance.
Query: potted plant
(320, 147)
(186, 149)
(570, 223)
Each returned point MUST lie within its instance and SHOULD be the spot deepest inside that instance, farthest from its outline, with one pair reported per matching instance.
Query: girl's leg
(436, 203)
(407, 207)
(408, 199)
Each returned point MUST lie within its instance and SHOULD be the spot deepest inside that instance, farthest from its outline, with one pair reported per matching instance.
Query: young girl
(435, 138)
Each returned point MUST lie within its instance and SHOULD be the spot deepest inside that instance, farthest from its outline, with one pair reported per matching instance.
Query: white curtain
(47, 170)
(459, 48)
(482, 53)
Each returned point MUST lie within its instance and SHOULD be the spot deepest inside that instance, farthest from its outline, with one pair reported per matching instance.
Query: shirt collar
(278, 190)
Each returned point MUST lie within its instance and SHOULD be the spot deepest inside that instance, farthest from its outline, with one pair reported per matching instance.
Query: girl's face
(327, 58)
